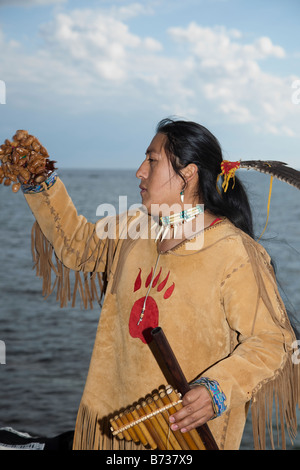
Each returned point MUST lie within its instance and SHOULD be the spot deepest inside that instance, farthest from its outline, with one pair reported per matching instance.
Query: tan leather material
(218, 306)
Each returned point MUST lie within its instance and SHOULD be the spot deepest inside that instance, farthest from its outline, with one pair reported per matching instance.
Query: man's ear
(189, 172)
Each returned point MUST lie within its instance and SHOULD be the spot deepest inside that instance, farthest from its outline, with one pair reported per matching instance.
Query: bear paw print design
(144, 313)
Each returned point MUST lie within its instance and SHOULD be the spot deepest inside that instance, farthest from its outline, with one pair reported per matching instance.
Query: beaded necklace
(174, 221)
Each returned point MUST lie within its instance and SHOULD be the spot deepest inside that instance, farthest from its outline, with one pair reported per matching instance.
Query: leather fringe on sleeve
(276, 397)
(67, 283)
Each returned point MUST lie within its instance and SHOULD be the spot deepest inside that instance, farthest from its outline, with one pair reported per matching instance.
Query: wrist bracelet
(217, 396)
(30, 189)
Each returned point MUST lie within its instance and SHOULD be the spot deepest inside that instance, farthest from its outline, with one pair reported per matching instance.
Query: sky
(91, 79)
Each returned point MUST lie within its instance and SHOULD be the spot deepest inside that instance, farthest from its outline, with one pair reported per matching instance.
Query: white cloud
(97, 42)
(264, 47)
(219, 42)
(230, 76)
(93, 54)
(130, 11)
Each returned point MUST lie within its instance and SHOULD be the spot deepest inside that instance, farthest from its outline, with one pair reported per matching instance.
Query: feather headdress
(278, 170)
(275, 169)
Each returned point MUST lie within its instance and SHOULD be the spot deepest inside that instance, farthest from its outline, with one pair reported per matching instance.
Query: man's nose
(142, 172)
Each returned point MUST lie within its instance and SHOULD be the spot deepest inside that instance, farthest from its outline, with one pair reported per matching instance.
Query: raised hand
(24, 161)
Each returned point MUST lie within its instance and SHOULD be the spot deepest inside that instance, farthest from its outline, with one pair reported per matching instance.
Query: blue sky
(91, 79)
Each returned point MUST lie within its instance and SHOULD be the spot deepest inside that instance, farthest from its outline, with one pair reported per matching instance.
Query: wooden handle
(180, 381)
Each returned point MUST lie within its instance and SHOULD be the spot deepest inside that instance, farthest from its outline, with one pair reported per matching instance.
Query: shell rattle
(24, 161)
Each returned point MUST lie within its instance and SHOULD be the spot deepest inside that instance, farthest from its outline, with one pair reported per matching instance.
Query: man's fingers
(197, 409)
(190, 422)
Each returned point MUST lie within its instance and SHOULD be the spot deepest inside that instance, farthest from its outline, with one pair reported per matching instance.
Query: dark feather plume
(279, 170)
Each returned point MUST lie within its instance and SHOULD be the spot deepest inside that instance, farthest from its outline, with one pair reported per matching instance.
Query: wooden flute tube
(154, 438)
(172, 437)
(116, 422)
(155, 427)
(142, 431)
(189, 442)
(134, 429)
(169, 441)
(130, 431)
(115, 426)
(165, 400)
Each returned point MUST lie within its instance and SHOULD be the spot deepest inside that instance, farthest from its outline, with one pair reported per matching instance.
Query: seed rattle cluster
(24, 161)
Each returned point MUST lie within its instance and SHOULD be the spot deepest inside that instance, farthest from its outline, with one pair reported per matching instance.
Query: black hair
(188, 142)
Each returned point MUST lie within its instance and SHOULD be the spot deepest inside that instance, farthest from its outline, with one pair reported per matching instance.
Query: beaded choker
(176, 220)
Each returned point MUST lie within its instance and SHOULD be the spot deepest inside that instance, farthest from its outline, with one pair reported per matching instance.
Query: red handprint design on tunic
(142, 328)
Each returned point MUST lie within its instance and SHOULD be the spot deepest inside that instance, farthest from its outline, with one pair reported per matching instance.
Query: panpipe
(147, 422)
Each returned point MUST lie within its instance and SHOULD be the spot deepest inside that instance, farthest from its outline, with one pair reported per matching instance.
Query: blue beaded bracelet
(217, 396)
(30, 189)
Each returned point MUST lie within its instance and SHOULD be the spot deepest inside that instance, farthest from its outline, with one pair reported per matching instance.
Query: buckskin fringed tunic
(218, 306)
